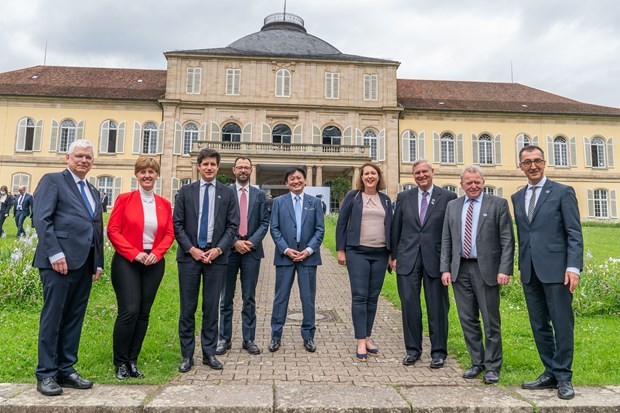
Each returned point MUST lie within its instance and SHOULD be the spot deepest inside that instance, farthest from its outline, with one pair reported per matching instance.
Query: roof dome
(284, 34)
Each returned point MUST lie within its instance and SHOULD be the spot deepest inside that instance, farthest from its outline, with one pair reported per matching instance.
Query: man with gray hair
(22, 209)
(477, 254)
(69, 255)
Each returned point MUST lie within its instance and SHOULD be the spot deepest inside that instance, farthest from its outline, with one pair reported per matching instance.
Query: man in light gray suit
(477, 256)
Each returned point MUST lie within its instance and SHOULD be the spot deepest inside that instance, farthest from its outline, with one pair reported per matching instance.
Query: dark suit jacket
(126, 226)
(553, 240)
(412, 241)
(185, 217)
(27, 204)
(258, 219)
(349, 223)
(63, 223)
(495, 242)
(5, 207)
(284, 229)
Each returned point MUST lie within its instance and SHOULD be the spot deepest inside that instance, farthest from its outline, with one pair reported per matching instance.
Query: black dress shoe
(542, 382)
(186, 365)
(309, 345)
(49, 387)
(251, 347)
(134, 372)
(472, 373)
(565, 390)
(222, 347)
(437, 362)
(410, 359)
(212, 362)
(491, 377)
(74, 381)
(122, 372)
(274, 345)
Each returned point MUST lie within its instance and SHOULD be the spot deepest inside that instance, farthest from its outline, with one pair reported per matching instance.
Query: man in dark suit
(245, 258)
(206, 217)
(104, 201)
(22, 209)
(477, 256)
(416, 245)
(297, 229)
(550, 259)
(69, 255)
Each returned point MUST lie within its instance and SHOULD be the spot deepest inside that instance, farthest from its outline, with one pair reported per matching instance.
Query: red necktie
(243, 213)
(469, 219)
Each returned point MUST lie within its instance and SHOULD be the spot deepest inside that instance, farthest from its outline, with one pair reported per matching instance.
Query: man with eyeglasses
(550, 259)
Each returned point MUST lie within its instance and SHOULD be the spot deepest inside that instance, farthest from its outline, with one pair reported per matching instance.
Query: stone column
(253, 174)
(319, 176)
(309, 172)
(356, 176)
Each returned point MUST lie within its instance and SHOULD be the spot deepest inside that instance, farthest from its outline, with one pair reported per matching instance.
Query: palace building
(285, 97)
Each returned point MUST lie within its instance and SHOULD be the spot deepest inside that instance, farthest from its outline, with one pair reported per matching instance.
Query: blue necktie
(204, 219)
(86, 201)
(298, 216)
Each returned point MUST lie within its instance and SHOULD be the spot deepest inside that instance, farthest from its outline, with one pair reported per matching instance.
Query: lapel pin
(432, 202)
(484, 215)
(547, 191)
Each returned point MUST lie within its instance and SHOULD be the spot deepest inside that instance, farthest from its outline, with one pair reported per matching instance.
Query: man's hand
(446, 279)
(242, 246)
(392, 264)
(301, 255)
(503, 279)
(571, 279)
(60, 266)
(96, 275)
(342, 257)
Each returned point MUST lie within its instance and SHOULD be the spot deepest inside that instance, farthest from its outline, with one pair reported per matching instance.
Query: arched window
(109, 134)
(485, 150)
(281, 134)
(332, 136)
(410, 152)
(597, 148)
(601, 197)
(370, 140)
(149, 135)
(526, 141)
(25, 134)
(447, 148)
(105, 184)
(283, 83)
(18, 180)
(190, 135)
(560, 151)
(67, 134)
(231, 132)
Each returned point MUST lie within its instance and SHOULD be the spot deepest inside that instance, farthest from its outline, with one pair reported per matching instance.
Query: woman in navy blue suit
(363, 244)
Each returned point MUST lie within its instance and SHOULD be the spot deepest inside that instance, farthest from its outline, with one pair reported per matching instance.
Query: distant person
(69, 255)
(363, 244)
(6, 203)
(297, 229)
(22, 209)
(550, 260)
(104, 200)
(140, 230)
(477, 257)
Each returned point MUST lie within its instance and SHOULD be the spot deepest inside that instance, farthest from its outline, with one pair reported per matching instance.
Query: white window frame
(190, 135)
(370, 140)
(67, 135)
(560, 151)
(283, 83)
(448, 148)
(194, 75)
(332, 85)
(233, 82)
(485, 149)
(18, 180)
(371, 83)
(150, 133)
(597, 145)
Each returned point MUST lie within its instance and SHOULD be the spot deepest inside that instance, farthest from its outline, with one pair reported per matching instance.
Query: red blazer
(126, 225)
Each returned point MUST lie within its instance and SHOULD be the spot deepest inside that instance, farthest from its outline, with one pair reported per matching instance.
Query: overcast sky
(567, 47)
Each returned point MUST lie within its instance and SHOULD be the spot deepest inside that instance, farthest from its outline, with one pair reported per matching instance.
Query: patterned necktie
(298, 216)
(86, 201)
(530, 207)
(204, 219)
(243, 213)
(469, 219)
(423, 206)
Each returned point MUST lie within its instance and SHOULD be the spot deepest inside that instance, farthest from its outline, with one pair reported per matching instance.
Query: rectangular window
(233, 81)
(370, 87)
(332, 85)
(193, 80)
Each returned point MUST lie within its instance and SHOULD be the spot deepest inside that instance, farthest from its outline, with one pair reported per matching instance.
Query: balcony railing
(290, 149)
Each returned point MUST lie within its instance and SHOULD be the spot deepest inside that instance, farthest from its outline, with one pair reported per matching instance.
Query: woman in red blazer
(141, 231)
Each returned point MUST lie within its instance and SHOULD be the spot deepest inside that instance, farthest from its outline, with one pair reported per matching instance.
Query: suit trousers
(437, 308)
(366, 268)
(190, 275)
(553, 322)
(474, 298)
(20, 217)
(135, 285)
(65, 298)
(306, 281)
(248, 267)
(2, 218)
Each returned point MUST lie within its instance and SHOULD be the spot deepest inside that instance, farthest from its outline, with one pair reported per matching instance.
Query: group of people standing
(21, 204)
(431, 240)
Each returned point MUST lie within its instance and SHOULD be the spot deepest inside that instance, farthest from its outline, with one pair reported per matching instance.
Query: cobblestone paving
(334, 361)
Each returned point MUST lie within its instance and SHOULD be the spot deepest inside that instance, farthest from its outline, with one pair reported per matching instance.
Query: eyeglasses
(243, 168)
(529, 162)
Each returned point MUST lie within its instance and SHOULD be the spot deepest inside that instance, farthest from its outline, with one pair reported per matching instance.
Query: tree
(223, 178)
(340, 187)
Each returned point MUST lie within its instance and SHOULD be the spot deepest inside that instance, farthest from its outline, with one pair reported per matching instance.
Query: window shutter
(104, 136)
(137, 138)
(366, 87)
(190, 80)
(590, 203)
(475, 156)
(336, 86)
(93, 181)
(133, 184)
(374, 87)
(381, 146)
(498, 149)
(160, 138)
(535, 141)
(610, 153)
(202, 132)
(174, 188)
(316, 135)
(359, 137)
(20, 142)
(436, 148)
(500, 192)
(118, 184)
(80, 130)
(612, 204)
(550, 153)
(587, 151)
(247, 133)
(573, 151)
(519, 144)
(54, 137)
(328, 85)
(178, 139)
(266, 133)
(229, 81)
(158, 187)
(120, 138)
(215, 132)
(459, 148)
(38, 132)
(420, 143)
(347, 136)
(406, 141)
(297, 134)
(16, 181)
(287, 83)
(459, 191)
